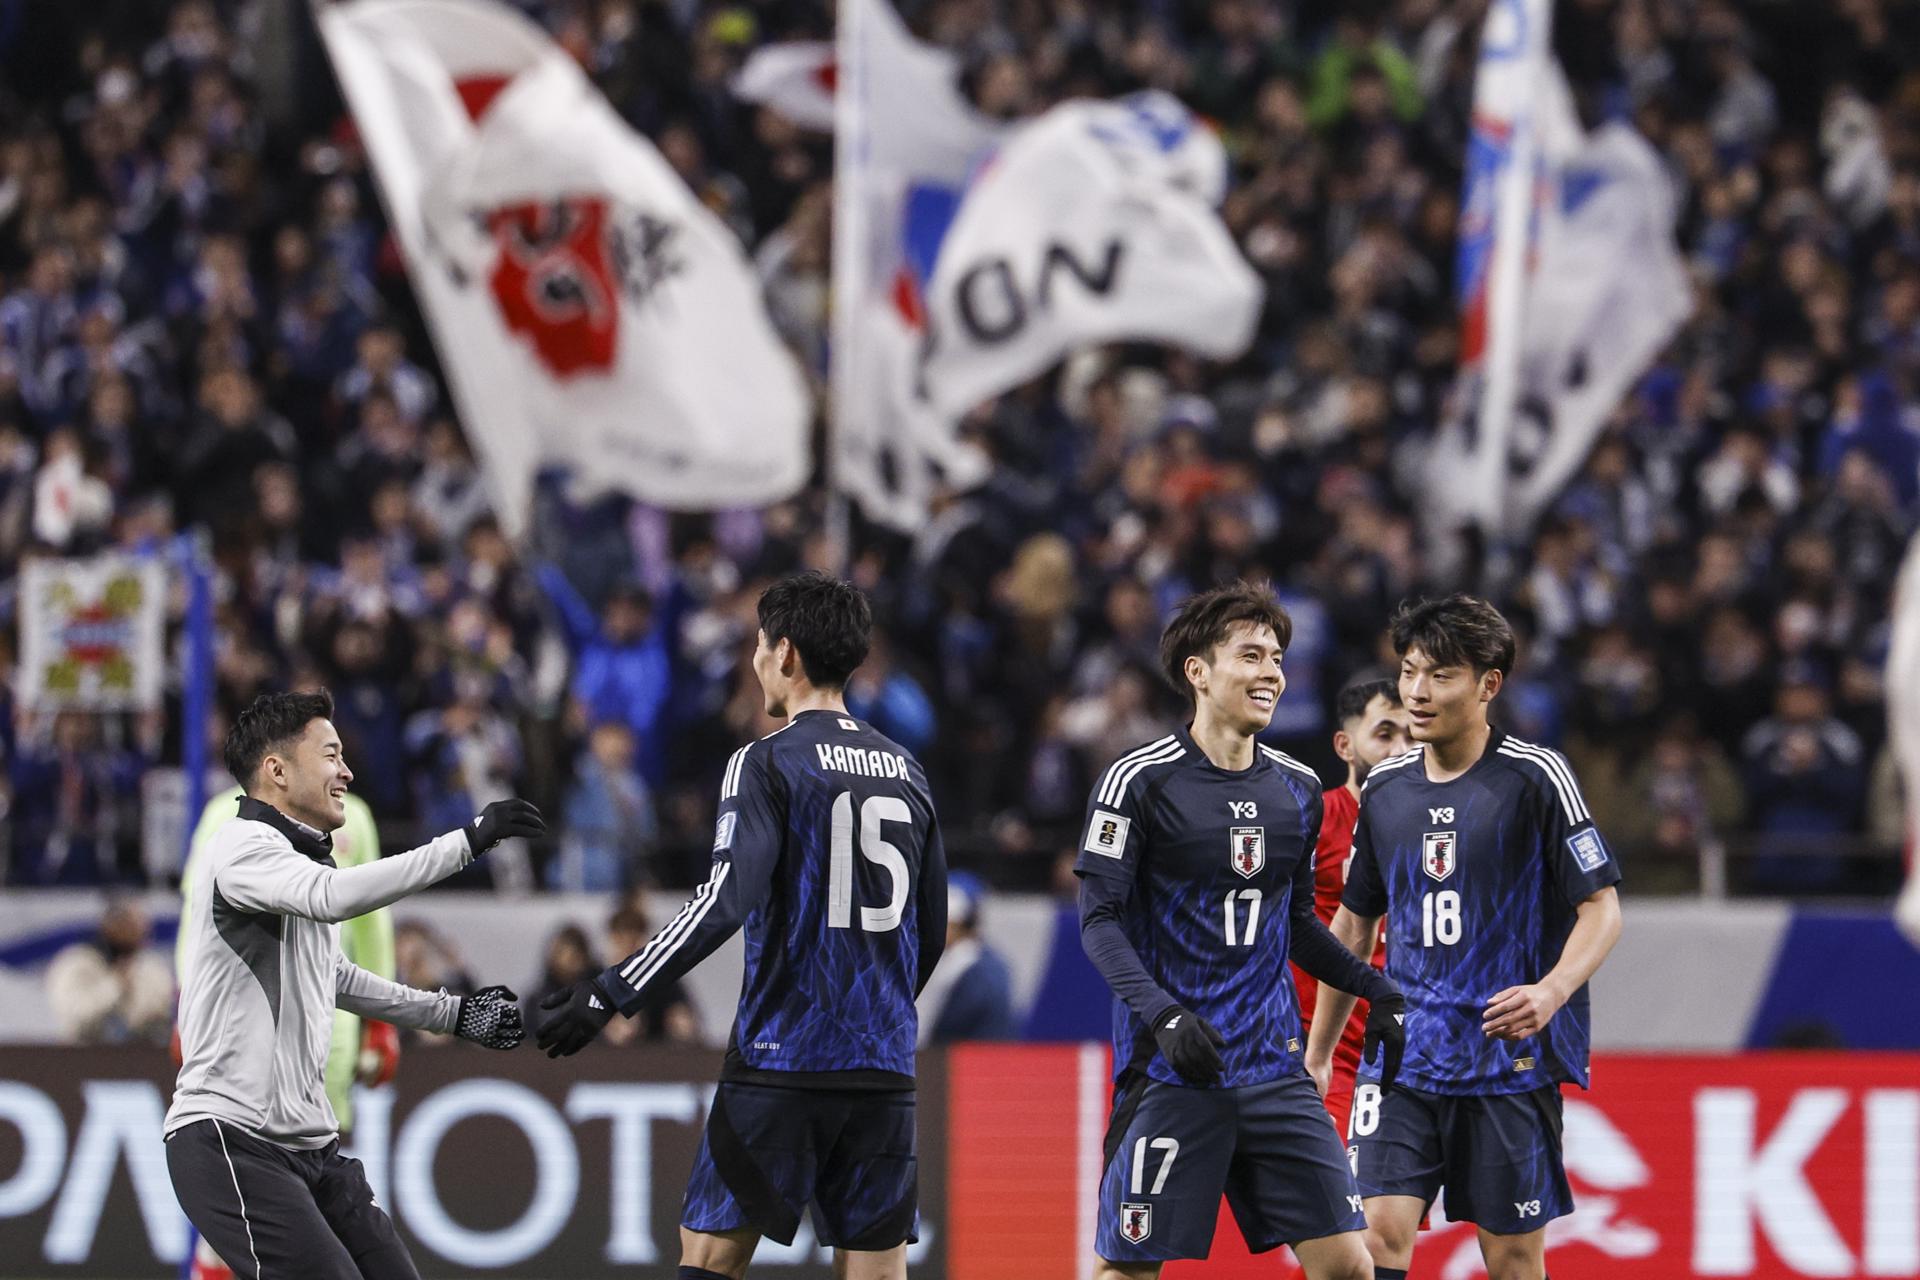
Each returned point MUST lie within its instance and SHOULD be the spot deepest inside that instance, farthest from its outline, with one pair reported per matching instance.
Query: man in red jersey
(1373, 726)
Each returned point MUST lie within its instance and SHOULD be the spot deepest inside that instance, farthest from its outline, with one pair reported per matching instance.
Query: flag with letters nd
(591, 314)
(1096, 222)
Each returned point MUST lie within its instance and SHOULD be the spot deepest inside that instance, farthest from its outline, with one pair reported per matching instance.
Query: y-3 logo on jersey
(1244, 808)
(1440, 815)
(1526, 1208)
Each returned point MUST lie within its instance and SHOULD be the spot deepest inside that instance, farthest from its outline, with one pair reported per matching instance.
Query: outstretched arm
(734, 887)
(371, 996)
(265, 874)
(577, 618)
(746, 849)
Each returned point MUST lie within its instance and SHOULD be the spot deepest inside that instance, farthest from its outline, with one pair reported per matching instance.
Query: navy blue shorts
(768, 1153)
(1172, 1151)
(1496, 1156)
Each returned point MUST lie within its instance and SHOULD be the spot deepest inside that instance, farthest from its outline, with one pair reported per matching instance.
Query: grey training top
(263, 971)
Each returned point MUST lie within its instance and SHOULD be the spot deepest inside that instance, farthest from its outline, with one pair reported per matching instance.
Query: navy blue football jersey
(1479, 879)
(1214, 859)
(828, 851)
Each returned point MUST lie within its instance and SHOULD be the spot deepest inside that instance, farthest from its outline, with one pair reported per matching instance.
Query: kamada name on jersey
(865, 761)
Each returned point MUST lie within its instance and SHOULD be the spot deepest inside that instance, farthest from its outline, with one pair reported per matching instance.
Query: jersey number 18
(1440, 917)
(875, 848)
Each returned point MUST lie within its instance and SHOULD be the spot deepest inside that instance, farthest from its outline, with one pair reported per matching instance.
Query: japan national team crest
(1136, 1222)
(1439, 850)
(1249, 850)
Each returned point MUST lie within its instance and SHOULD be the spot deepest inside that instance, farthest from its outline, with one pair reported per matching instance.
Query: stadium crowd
(203, 322)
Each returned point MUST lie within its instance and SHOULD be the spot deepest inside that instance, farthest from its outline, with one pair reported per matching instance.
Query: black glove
(490, 1017)
(504, 820)
(1387, 1031)
(1190, 1045)
(579, 1013)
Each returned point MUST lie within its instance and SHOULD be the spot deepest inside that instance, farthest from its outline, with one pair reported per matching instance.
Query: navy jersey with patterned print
(1479, 879)
(828, 851)
(1214, 861)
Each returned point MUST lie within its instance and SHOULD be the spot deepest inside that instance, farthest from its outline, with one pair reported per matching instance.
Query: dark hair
(827, 620)
(628, 920)
(1205, 619)
(1459, 631)
(268, 725)
(1352, 702)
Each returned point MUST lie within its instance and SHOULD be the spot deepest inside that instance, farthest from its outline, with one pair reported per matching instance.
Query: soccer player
(1373, 727)
(364, 1050)
(1500, 900)
(827, 850)
(252, 1144)
(1196, 886)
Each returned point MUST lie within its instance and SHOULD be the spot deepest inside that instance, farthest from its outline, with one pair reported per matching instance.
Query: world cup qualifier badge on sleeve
(1587, 848)
(1107, 834)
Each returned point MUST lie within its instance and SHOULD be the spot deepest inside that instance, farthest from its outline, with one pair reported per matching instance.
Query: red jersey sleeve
(1340, 810)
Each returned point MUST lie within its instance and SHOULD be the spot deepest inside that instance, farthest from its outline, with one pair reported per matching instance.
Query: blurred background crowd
(203, 322)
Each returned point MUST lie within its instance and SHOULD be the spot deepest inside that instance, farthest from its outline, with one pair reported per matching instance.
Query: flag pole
(1506, 301)
(848, 267)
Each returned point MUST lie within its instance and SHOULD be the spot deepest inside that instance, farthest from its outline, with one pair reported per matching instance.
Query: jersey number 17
(875, 848)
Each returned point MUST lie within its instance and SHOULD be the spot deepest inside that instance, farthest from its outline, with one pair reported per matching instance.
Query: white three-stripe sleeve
(1558, 773)
(1110, 841)
(746, 849)
(1576, 853)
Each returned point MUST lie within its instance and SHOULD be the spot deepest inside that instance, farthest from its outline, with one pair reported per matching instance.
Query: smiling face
(1444, 702)
(1238, 681)
(307, 778)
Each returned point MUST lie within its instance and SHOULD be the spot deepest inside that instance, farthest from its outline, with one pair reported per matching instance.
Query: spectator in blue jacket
(891, 700)
(609, 828)
(970, 996)
(623, 662)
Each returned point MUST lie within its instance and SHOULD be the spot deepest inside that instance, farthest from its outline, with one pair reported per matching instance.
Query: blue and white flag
(905, 142)
(1569, 280)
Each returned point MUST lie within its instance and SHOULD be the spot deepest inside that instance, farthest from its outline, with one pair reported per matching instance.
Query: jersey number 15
(875, 849)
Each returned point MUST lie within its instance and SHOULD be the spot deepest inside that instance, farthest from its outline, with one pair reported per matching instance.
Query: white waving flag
(1096, 223)
(796, 79)
(1903, 722)
(905, 140)
(589, 311)
(1569, 280)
